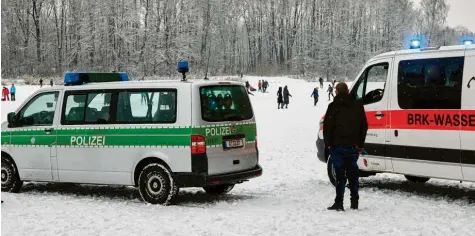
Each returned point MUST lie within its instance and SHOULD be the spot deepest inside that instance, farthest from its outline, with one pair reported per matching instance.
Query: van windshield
(225, 103)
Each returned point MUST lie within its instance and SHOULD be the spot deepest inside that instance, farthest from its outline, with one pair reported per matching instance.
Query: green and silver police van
(100, 128)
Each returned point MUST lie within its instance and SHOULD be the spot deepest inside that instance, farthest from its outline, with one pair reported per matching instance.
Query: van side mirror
(11, 118)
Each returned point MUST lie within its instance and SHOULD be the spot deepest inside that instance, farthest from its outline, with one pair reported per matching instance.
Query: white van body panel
(468, 104)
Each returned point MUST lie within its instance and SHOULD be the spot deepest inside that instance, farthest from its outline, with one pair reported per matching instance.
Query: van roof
(423, 51)
(143, 84)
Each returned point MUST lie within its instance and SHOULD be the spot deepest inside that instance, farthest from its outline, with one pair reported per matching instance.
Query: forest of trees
(264, 37)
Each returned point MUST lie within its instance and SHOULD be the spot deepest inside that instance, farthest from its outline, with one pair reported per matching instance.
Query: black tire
(10, 179)
(416, 179)
(331, 171)
(156, 184)
(218, 189)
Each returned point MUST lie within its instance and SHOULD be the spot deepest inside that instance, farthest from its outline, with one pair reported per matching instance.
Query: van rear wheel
(10, 179)
(156, 184)
(218, 189)
(331, 171)
(416, 179)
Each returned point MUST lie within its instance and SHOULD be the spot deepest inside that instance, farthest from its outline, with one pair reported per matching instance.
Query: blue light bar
(415, 43)
(182, 66)
(78, 78)
(468, 42)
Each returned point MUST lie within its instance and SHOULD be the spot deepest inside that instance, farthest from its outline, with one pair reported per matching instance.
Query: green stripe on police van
(5, 137)
(127, 136)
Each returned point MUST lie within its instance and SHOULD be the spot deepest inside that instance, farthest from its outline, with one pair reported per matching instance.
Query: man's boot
(354, 203)
(337, 206)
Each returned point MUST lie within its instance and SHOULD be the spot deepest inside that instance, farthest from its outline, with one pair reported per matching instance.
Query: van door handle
(468, 84)
(379, 115)
(48, 130)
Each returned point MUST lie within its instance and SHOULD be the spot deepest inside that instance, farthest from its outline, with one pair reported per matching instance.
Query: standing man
(344, 133)
(41, 83)
(315, 96)
(12, 92)
(321, 82)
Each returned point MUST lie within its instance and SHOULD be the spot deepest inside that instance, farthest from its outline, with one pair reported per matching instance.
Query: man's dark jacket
(345, 122)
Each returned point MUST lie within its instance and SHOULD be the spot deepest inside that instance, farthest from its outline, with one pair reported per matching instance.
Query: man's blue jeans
(345, 163)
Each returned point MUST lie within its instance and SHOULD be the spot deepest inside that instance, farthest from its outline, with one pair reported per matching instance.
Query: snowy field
(289, 199)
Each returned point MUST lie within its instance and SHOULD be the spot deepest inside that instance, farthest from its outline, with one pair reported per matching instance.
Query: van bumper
(202, 180)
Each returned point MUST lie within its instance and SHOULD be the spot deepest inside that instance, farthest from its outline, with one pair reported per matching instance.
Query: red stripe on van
(422, 119)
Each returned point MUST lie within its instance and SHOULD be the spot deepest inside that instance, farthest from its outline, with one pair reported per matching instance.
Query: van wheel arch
(143, 163)
(416, 179)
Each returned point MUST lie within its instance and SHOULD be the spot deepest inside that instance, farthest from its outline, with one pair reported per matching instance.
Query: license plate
(234, 143)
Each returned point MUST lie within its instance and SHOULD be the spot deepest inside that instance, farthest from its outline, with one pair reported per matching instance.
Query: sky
(461, 13)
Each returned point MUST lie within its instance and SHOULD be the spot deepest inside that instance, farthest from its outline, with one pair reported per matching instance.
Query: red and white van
(420, 106)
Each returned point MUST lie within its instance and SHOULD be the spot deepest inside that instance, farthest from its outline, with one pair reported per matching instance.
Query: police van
(158, 136)
(420, 107)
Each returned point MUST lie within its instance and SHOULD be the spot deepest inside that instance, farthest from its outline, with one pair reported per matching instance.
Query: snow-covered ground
(289, 199)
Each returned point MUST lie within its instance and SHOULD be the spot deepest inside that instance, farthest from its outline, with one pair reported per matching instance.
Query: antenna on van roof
(183, 68)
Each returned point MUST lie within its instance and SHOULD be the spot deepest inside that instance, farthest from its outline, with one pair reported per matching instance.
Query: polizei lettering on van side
(88, 140)
(218, 131)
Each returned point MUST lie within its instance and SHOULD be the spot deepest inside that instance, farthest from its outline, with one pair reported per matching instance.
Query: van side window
(86, 108)
(39, 111)
(434, 83)
(75, 105)
(147, 106)
(371, 84)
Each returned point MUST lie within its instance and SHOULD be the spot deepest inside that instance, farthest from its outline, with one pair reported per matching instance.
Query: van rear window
(225, 103)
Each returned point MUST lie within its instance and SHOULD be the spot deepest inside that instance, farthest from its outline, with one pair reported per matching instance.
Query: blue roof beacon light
(415, 43)
(78, 78)
(468, 42)
(183, 68)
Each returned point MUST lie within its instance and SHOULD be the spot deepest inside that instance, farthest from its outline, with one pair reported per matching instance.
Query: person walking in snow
(259, 86)
(12, 92)
(330, 92)
(248, 88)
(280, 99)
(315, 96)
(51, 82)
(5, 92)
(321, 82)
(41, 83)
(286, 97)
(344, 132)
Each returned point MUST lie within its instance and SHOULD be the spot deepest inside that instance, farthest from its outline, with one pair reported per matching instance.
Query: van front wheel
(10, 178)
(218, 189)
(416, 179)
(156, 184)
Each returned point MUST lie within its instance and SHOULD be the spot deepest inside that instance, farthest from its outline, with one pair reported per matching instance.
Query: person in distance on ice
(265, 84)
(315, 96)
(344, 133)
(13, 92)
(321, 82)
(330, 92)
(248, 88)
(286, 97)
(280, 99)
